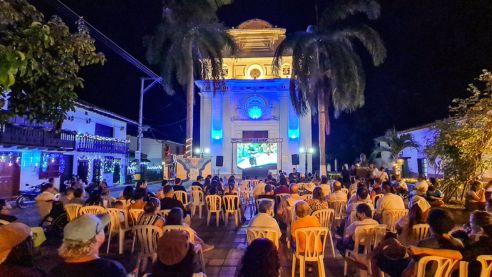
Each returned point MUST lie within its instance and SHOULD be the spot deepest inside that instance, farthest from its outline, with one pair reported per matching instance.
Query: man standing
(82, 239)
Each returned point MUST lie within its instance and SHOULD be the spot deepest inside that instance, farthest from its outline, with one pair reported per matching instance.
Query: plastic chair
(95, 210)
(135, 215)
(38, 236)
(147, 236)
(368, 237)
(444, 266)
(314, 238)
(345, 190)
(118, 227)
(164, 213)
(376, 198)
(253, 233)
(72, 211)
(325, 217)
(214, 205)
(486, 261)
(231, 205)
(4, 222)
(182, 196)
(197, 201)
(390, 217)
(267, 199)
(339, 206)
(196, 188)
(419, 232)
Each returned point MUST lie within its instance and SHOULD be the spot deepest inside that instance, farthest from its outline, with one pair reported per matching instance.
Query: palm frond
(341, 9)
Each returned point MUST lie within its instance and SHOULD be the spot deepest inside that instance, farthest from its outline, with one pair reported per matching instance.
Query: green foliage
(40, 62)
(463, 140)
(325, 61)
(394, 143)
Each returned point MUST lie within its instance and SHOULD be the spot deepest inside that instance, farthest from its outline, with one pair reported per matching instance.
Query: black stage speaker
(295, 159)
(219, 161)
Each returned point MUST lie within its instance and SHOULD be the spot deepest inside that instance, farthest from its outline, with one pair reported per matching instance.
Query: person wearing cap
(175, 256)
(82, 239)
(5, 212)
(16, 253)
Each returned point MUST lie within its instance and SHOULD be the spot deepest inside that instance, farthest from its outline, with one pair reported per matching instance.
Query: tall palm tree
(326, 69)
(188, 43)
(394, 143)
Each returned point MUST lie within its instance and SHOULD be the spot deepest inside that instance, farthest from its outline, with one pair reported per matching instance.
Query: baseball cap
(84, 228)
(11, 235)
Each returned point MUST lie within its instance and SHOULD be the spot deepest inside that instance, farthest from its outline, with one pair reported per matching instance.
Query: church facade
(249, 126)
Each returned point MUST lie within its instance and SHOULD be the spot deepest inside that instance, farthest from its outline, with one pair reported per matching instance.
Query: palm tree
(189, 43)
(394, 143)
(326, 69)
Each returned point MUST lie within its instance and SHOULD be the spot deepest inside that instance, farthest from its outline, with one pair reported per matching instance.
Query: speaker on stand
(295, 159)
(219, 162)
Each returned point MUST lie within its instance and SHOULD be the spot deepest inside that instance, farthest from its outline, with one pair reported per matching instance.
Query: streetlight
(200, 151)
(305, 151)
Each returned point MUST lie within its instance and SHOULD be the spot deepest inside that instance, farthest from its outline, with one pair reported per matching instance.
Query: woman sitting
(475, 197)
(151, 214)
(138, 201)
(175, 217)
(318, 202)
(260, 260)
(417, 215)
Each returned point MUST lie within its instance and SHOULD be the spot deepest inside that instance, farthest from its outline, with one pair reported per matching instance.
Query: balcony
(13, 135)
(89, 144)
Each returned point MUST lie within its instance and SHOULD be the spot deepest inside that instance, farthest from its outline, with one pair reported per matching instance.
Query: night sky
(435, 48)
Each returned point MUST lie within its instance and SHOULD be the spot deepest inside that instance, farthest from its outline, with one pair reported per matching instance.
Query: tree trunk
(189, 114)
(324, 129)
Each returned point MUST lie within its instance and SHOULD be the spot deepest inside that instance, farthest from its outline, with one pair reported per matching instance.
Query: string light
(101, 138)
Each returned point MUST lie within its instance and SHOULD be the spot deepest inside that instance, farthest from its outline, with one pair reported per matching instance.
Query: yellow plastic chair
(72, 211)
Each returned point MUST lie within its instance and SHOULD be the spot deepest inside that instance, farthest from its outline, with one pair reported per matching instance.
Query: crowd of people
(286, 203)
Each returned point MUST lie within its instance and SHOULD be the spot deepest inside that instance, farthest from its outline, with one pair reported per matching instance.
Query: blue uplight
(216, 134)
(255, 112)
(293, 133)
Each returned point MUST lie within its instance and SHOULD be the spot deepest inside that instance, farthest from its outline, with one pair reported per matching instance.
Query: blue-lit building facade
(250, 121)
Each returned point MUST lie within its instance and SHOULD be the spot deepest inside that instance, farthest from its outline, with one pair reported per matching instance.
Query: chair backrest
(486, 262)
(165, 212)
(325, 217)
(214, 203)
(253, 233)
(444, 266)
(72, 210)
(368, 236)
(345, 190)
(198, 197)
(267, 199)
(116, 215)
(376, 198)
(231, 203)
(315, 240)
(308, 196)
(135, 215)
(196, 188)
(191, 234)
(95, 210)
(390, 217)
(420, 232)
(181, 196)
(147, 236)
(339, 207)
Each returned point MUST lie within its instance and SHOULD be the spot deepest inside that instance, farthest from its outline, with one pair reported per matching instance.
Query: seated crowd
(283, 207)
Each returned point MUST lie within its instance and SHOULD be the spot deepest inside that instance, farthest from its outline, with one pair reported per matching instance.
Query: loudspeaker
(295, 159)
(219, 161)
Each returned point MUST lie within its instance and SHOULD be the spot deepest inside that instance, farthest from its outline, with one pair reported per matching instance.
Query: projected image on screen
(256, 154)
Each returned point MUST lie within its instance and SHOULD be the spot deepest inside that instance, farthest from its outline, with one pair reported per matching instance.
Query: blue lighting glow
(255, 112)
(293, 133)
(217, 134)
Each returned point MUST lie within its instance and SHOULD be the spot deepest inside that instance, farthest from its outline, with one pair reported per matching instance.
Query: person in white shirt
(325, 187)
(383, 175)
(421, 186)
(45, 199)
(294, 195)
(364, 218)
(390, 201)
(362, 197)
(264, 218)
(259, 189)
(338, 194)
(374, 171)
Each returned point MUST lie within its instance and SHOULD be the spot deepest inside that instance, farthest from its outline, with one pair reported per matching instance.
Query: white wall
(84, 122)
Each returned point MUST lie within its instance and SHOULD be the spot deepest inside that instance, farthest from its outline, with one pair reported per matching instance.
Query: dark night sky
(435, 48)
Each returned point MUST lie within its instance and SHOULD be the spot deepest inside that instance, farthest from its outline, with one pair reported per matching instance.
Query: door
(9, 176)
(97, 171)
(66, 174)
(83, 170)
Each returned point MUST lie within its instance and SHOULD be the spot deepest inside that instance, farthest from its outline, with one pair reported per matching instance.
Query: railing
(26, 136)
(86, 144)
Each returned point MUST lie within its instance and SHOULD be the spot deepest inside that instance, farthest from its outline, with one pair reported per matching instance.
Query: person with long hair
(260, 260)
(151, 214)
(417, 214)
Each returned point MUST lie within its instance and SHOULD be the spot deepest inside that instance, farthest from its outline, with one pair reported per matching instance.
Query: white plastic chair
(486, 262)
(419, 232)
(390, 217)
(72, 211)
(376, 198)
(253, 233)
(231, 205)
(164, 213)
(314, 239)
(367, 236)
(118, 227)
(267, 199)
(444, 266)
(147, 236)
(339, 206)
(95, 210)
(325, 217)
(135, 215)
(214, 205)
(197, 201)
(182, 196)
